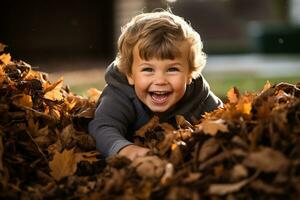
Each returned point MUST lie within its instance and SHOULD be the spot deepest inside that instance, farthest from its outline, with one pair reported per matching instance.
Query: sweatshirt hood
(116, 79)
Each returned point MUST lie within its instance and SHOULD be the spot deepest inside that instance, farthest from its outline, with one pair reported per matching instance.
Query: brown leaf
(222, 189)
(63, 164)
(266, 86)
(182, 122)
(267, 160)
(176, 156)
(209, 148)
(2, 47)
(153, 122)
(87, 156)
(239, 172)
(150, 166)
(1, 152)
(168, 174)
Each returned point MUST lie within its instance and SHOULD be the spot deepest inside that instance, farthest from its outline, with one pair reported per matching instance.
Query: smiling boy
(157, 72)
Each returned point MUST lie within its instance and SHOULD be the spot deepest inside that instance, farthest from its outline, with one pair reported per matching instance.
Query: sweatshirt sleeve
(112, 118)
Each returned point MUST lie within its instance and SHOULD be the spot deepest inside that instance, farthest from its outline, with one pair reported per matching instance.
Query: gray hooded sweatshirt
(120, 112)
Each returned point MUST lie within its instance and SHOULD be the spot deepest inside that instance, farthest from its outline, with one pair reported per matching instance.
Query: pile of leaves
(250, 149)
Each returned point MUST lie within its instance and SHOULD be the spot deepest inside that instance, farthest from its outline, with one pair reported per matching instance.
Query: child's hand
(133, 151)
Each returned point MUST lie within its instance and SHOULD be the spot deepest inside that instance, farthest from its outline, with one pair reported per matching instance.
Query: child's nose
(160, 79)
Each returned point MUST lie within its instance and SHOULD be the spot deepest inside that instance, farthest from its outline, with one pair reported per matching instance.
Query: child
(157, 72)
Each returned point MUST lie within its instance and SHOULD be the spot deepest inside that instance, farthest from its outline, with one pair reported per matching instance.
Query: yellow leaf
(22, 100)
(5, 58)
(63, 164)
(54, 92)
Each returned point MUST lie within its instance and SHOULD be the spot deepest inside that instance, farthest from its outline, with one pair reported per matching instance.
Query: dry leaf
(267, 160)
(1, 153)
(53, 92)
(93, 94)
(209, 148)
(222, 189)
(87, 156)
(63, 164)
(244, 107)
(153, 122)
(233, 95)
(150, 166)
(182, 122)
(5, 58)
(2, 47)
(22, 100)
(211, 127)
(266, 86)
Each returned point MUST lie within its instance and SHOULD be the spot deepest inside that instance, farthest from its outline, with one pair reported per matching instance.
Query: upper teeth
(160, 92)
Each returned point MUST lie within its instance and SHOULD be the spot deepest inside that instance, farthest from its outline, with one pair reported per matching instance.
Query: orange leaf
(54, 94)
(5, 58)
(93, 94)
(245, 104)
(63, 164)
(22, 100)
(211, 127)
(233, 95)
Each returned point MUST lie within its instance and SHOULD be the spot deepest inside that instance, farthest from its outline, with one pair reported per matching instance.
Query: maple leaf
(22, 100)
(65, 163)
(233, 95)
(5, 58)
(53, 92)
(211, 127)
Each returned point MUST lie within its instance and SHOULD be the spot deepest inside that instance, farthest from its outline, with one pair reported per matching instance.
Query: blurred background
(247, 41)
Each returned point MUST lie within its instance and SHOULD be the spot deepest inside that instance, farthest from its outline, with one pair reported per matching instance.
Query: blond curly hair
(156, 34)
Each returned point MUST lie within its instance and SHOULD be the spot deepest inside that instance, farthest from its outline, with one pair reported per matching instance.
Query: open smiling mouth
(160, 97)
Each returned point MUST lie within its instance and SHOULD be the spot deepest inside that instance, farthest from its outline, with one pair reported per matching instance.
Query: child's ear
(130, 79)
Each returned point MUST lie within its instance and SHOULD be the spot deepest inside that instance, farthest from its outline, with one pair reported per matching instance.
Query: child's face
(160, 84)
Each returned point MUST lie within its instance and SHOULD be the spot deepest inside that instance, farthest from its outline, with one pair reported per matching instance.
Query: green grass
(244, 83)
(218, 84)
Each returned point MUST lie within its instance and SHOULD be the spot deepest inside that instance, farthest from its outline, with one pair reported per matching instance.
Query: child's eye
(147, 69)
(173, 69)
